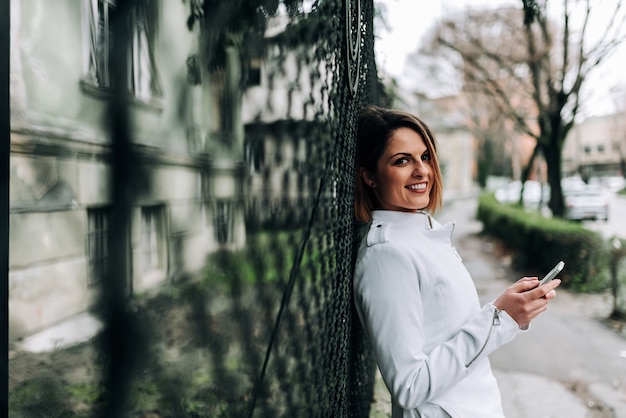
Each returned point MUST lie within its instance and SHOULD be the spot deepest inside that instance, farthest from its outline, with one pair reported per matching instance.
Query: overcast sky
(408, 21)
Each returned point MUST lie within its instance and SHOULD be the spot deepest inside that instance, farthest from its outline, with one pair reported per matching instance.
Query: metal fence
(267, 329)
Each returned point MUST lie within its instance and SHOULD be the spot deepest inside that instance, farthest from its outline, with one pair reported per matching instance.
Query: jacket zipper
(495, 321)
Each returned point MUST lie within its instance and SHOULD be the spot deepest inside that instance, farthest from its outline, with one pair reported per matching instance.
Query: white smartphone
(552, 273)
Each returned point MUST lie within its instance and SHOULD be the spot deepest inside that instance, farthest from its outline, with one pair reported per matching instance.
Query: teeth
(421, 186)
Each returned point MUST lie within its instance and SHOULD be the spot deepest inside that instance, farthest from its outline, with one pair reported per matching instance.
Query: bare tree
(619, 127)
(532, 68)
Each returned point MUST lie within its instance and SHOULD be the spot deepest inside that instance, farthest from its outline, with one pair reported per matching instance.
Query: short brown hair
(376, 126)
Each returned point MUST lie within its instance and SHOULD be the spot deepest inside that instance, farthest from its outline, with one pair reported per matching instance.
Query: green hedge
(540, 242)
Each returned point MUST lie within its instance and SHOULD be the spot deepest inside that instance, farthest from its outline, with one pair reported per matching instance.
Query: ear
(367, 177)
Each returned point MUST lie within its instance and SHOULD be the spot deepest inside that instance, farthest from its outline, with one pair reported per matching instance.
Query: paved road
(570, 364)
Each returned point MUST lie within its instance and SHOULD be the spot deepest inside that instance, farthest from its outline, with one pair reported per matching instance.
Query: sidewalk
(569, 365)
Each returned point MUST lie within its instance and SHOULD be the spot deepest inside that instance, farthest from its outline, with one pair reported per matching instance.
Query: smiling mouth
(417, 187)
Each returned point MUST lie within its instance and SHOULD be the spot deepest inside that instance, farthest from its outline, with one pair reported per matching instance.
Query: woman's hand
(524, 301)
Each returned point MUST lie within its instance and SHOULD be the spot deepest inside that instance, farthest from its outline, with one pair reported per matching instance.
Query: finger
(540, 309)
(525, 284)
(542, 291)
(553, 284)
(535, 308)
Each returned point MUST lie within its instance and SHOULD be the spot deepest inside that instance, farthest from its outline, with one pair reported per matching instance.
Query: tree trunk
(552, 154)
(526, 172)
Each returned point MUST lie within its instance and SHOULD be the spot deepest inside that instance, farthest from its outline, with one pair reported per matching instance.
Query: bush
(539, 242)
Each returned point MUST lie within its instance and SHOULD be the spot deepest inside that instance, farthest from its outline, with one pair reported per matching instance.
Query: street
(570, 364)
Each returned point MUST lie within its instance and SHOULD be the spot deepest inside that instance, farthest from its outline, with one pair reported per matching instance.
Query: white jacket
(421, 312)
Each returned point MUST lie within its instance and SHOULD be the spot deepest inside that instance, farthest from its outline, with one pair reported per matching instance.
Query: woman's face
(404, 173)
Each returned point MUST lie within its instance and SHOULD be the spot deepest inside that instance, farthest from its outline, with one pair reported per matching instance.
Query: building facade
(596, 147)
(60, 162)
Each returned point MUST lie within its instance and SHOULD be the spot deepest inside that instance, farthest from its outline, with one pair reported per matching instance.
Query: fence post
(5, 136)
(617, 251)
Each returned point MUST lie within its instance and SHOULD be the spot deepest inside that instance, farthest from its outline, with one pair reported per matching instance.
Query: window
(254, 72)
(587, 149)
(98, 14)
(223, 221)
(97, 244)
(600, 148)
(254, 153)
(152, 238)
(254, 55)
(142, 80)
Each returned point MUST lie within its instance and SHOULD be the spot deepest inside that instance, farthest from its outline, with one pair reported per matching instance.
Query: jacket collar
(411, 220)
(407, 218)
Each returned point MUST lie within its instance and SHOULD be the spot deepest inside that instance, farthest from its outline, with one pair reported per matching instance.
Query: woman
(413, 294)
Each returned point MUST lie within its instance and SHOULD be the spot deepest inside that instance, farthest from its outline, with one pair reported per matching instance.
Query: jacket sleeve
(390, 306)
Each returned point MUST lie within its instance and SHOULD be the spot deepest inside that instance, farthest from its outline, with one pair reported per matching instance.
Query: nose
(419, 169)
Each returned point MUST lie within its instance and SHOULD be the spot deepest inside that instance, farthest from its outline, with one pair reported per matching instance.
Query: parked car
(534, 192)
(572, 183)
(587, 203)
(509, 193)
(612, 183)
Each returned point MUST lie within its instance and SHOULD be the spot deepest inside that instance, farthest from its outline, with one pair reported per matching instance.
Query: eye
(401, 161)
(426, 157)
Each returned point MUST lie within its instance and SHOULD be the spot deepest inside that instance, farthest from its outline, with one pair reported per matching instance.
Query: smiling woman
(403, 173)
(415, 298)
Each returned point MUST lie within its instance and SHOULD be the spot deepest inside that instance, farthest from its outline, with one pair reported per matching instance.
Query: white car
(587, 203)
(534, 192)
(572, 183)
